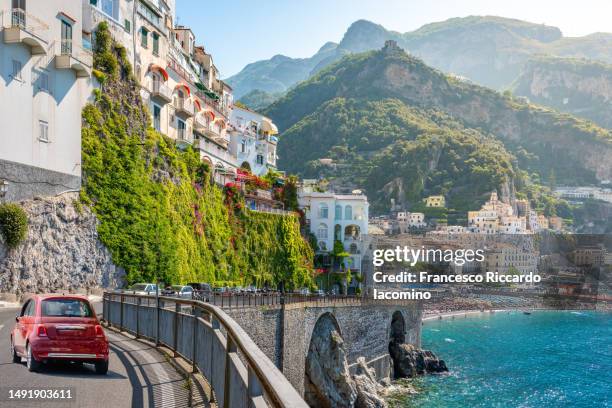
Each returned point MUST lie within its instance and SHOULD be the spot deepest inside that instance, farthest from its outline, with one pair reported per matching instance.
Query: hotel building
(45, 69)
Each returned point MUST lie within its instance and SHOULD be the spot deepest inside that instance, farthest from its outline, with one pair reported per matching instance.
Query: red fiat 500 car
(58, 327)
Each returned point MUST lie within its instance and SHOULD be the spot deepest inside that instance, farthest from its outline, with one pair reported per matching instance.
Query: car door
(29, 317)
(20, 327)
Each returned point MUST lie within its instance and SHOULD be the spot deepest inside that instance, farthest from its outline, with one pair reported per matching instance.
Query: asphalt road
(138, 376)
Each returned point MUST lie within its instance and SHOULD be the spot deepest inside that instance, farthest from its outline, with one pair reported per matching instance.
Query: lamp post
(3, 188)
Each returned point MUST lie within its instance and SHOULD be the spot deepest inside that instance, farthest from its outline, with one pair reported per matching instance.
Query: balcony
(184, 108)
(161, 93)
(69, 55)
(200, 123)
(183, 138)
(21, 27)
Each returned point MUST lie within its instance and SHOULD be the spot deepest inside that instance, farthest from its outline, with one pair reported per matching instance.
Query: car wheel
(102, 367)
(16, 358)
(32, 364)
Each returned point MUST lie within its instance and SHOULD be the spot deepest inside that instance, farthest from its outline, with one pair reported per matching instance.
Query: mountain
(258, 100)
(490, 51)
(404, 130)
(278, 73)
(577, 86)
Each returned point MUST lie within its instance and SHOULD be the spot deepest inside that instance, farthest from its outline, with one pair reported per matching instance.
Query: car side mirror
(17, 318)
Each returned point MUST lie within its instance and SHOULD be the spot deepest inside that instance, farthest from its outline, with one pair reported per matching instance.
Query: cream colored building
(179, 81)
(253, 140)
(435, 201)
(44, 82)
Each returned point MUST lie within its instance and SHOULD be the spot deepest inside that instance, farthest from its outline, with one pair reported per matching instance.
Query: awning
(209, 113)
(184, 86)
(197, 103)
(201, 87)
(269, 127)
(221, 121)
(157, 68)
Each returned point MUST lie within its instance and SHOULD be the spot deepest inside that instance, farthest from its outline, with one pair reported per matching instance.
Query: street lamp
(3, 188)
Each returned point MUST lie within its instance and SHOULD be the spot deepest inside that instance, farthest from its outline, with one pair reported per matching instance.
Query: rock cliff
(410, 361)
(61, 252)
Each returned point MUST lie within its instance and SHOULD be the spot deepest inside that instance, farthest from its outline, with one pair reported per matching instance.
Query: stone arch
(327, 381)
(352, 231)
(398, 327)
(246, 166)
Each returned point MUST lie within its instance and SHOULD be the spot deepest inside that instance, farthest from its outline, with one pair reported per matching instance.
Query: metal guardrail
(240, 374)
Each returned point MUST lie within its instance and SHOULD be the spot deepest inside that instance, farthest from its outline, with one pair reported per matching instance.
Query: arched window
(322, 231)
(337, 233)
(348, 212)
(338, 212)
(323, 211)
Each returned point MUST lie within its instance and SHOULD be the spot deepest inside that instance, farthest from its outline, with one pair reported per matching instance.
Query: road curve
(138, 376)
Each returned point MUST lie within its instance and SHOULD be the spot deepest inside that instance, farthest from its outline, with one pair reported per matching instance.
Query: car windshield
(177, 287)
(139, 286)
(65, 308)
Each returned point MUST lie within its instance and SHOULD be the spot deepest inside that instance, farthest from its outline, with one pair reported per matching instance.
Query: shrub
(13, 224)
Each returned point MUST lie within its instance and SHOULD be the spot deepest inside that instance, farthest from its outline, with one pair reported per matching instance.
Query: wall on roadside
(365, 330)
(62, 251)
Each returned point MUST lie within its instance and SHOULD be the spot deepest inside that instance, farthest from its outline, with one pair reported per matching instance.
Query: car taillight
(42, 331)
(99, 331)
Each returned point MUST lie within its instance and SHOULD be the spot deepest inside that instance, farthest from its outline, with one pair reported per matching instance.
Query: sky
(239, 32)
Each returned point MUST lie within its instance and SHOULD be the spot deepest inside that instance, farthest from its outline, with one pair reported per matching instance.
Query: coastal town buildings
(498, 217)
(340, 218)
(584, 193)
(45, 67)
(253, 140)
(179, 80)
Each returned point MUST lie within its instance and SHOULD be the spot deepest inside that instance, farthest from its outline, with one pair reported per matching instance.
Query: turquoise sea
(509, 359)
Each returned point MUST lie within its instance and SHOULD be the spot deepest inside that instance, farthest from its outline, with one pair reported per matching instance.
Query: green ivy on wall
(159, 214)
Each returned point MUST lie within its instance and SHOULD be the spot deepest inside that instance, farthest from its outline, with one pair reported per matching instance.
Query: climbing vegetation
(160, 215)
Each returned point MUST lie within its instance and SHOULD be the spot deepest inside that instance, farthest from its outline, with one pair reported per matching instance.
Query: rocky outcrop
(410, 361)
(328, 382)
(61, 252)
(368, 389)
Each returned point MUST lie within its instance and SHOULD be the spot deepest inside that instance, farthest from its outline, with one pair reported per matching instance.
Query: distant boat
(526, 312)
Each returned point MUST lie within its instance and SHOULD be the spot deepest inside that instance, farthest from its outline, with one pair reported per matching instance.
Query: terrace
(22, 27)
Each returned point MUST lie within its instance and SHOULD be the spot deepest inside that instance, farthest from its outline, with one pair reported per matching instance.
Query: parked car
(319, 292)
(222, 291)
(304, 291)
(201, 290)
(58, 328)
(143, 288)
(183, 291)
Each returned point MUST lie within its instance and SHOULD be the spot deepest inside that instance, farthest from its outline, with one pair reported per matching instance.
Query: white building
(44, 83)
(179, 81)
(338, 217)
(253, 140)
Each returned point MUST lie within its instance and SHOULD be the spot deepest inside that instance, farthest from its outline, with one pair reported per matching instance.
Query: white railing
(72, 49)
(184, 136)
(162, 89)
(200, 122)
(17, 17)
(185, 105)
